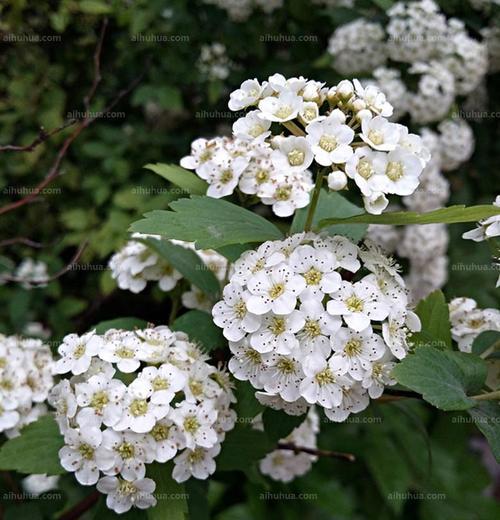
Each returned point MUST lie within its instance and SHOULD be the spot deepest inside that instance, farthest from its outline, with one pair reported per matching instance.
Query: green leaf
(233, 252)
(35, 450)
(451, 215)
(211, 223)
(278, 424)
(188, 263)
(185, 179)
(197, 491)
(444, 378)
(389, 468)
(486, 340)
(331, 204)
(486, 417)
(94, 7)
(241, 447)
(247, 406)
(199, 326)
(120, 323)
(171, 496)
(435, 318)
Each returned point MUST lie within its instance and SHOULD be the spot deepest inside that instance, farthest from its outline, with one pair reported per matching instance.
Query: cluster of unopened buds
(308, 326)
(343, 131)
(25, 380)
(134, 398)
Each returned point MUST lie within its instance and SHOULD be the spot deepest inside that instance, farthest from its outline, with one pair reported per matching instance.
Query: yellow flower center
(125, 353)
(283, 193)
(284, 111)
(262, 176)
(394, 170)
(196, 456)
(138, 407)
(253, 356)
(375, 137)
(276, 290)
(126, 450)
(313, 276)
(240, 309)
(277, 325)
(160, 432)
(226, 176)
(354, 304)
(99, 400)
(191, 424)
(286, 366)
(79, 351)
(86, 451)
(196, 387)
(312, 328)
(328, 143)
(126, 488)
(364, 168)
(159, 383)
(325, 377)
(353, 347)
(296, 157)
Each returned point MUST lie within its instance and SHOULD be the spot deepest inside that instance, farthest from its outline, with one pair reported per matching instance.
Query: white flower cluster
(357, 47)
(29, 273)
(285, 465)
(136, 264)
(304, 335)
(456, 143)
(213, 62)
(174, 405)
(351, 137)
(445, 61)
(240, 10)
(25, 380)
(468, 321)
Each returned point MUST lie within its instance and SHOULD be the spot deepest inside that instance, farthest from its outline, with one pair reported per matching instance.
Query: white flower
(84, 454)
(396, 331)
(198, 463)
(399, 172)
(201, 151)
(39, 483)
(358, 304)
(283, 377)
(375, 203)
(293, 155)
(277, 333)
(140, 413)
(378, 376)
(196, 423)
(354, 399)
(360, 167)
(77, 352)
(318, 269)
(275, 291)
(329, 140)
(251, 126)
(128, 452)
(354, 352)
(222, 173)
(373, 99)
(318, 328)
(103, 397)
(247, 363)
(284, 107)
(122, 350)
(166, 439)
(379, 133)
(322, 384)
(287, 193)
(248, 94)
(123, 494)
(231, 314)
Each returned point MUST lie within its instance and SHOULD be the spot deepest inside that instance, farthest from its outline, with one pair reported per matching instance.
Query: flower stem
(318, 453)
(314, 200)
(293, 128)
(487, 397)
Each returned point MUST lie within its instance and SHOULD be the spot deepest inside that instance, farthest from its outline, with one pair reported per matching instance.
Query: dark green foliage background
(104, 188)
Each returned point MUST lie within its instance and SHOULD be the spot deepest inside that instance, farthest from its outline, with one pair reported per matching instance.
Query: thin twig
(20, 240)
(55, 276)
(97, 67)
(318, 453)
(81, 507)
(43, 136)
